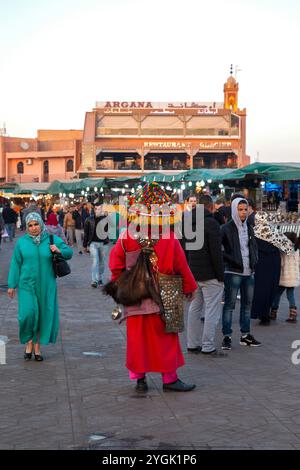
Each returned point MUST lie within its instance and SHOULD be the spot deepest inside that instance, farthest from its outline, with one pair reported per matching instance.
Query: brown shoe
(273, 314)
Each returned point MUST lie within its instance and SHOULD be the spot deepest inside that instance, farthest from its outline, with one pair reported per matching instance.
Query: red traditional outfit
(149, 347)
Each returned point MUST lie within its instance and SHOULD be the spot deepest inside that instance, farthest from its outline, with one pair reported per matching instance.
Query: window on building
(46, 167)
(70, 165)
(20, 168)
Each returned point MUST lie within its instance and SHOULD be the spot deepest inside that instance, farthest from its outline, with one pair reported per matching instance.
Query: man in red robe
(149, 347)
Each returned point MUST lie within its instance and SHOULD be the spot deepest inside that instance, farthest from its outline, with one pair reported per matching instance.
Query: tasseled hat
(152, 201)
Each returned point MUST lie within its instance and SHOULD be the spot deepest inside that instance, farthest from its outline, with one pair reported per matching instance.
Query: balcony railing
(111, 165)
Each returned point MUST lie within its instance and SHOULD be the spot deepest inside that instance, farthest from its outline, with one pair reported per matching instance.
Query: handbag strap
(121, 239)
(52, 243)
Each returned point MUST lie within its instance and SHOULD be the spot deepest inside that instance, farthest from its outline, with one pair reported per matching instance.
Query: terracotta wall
(68, 143)
(57, 170)
(59, 134)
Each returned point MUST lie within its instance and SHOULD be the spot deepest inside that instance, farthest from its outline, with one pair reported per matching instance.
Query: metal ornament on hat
(152, 202)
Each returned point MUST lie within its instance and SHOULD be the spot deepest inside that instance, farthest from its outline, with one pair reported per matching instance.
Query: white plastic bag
(4, 233)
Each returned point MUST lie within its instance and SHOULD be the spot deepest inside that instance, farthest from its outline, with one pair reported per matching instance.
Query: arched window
(20, 168)
(70, 165)
(46, 167)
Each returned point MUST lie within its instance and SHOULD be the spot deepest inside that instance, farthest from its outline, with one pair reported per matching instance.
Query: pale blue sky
(58, 58)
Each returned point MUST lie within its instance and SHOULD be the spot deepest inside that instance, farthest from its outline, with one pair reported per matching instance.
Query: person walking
(10, 218)
(219, 214)
(207, 267)
(289, 279)
(31, 271)
(85, 213)
(251, 211)
(2, 227)
(149, 347)
(97, 242)
(31, 207)
(240, 256)
(53, 227)
(69, 226)
(77, 216)
(270, 244)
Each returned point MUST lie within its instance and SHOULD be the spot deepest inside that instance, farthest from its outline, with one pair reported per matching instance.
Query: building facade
(129, 138)
(54, 154)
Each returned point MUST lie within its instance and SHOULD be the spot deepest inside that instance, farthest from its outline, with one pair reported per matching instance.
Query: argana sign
(206, 108)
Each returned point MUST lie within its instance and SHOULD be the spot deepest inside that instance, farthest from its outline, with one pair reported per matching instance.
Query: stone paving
(73, 400)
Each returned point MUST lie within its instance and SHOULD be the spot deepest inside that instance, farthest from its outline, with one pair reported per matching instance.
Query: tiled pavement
(248, 400)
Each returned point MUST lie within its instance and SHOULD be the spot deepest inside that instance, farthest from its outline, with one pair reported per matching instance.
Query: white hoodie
(243, 235)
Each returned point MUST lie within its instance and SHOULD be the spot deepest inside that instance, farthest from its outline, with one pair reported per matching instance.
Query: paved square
(76, 400)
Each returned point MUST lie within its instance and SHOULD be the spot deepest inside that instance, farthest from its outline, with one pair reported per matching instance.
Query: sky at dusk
(58, 58)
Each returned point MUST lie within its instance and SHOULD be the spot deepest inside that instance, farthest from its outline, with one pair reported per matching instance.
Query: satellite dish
(24, 145)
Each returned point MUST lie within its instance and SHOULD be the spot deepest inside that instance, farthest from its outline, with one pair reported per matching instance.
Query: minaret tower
(231, 89)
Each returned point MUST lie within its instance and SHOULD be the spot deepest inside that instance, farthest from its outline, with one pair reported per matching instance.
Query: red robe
(149, 347)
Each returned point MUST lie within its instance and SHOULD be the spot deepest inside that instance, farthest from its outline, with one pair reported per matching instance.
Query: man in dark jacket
(77, 216)
(96, 240)
(207, 267)
(240, 256)
(251, 211)
(31, 208)
(10, 219)
(2, 226)
(219, 214)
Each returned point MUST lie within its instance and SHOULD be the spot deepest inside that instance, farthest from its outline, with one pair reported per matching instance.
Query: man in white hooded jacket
(240, 257)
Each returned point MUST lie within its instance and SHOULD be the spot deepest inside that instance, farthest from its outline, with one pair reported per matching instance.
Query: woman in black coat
(267, 272)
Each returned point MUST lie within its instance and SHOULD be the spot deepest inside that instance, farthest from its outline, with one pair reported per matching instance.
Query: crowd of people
(243, 257)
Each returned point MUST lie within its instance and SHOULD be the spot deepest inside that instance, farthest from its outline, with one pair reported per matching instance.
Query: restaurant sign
(165, 145)
(215, 145)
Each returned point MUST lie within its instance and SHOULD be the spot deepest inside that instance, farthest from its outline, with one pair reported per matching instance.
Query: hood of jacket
(234, 212)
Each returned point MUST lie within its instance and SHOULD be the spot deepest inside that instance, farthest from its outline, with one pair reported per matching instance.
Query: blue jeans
(98, 253)
(290, 293)
(232, 284)
(10, 230)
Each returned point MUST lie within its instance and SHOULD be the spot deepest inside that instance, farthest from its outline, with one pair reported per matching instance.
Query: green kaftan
(32, 272)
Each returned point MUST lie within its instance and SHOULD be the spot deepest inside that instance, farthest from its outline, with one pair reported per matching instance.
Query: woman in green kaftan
(31, 271)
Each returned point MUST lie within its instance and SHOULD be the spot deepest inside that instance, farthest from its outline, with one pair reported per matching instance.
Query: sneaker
(178, 386)
(249, 340)
(196, 350)
(214, 353)
(80, 252)
(94, 284)
(226, 343)
(141, 385)
(100, 283)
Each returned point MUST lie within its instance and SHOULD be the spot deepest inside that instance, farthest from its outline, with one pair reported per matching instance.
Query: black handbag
(60, 266)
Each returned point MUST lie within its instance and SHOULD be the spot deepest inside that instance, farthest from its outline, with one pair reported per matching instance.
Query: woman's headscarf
(265, 231)
(35, 216)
